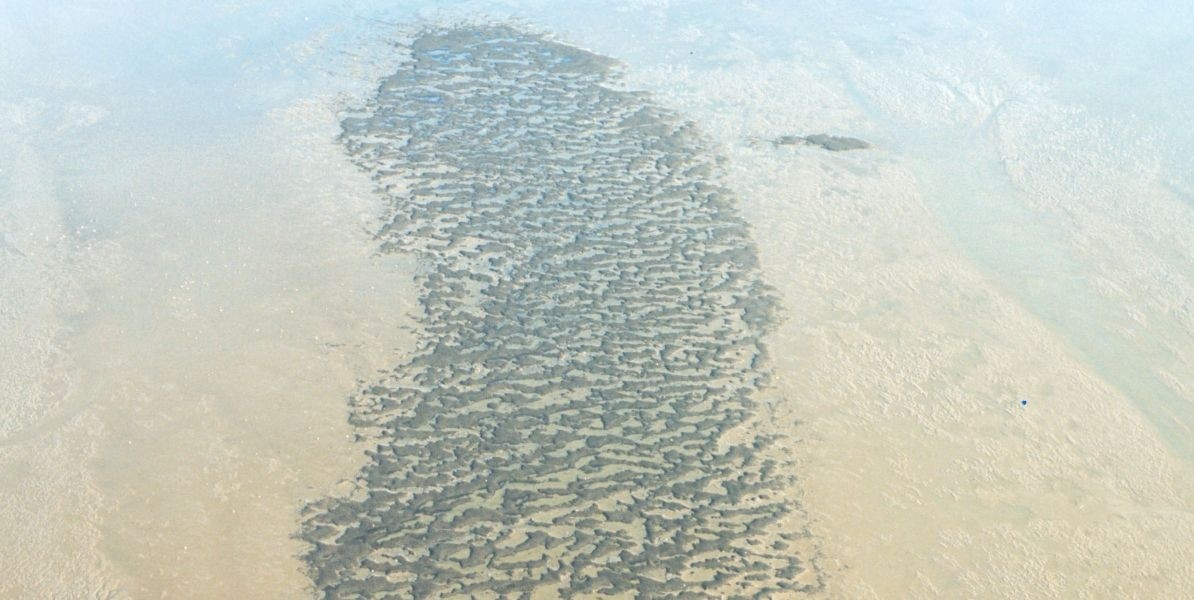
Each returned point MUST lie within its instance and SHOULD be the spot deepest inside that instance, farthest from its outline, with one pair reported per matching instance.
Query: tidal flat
(630, 299)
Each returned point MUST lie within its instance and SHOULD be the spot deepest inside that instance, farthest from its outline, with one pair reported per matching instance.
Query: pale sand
(48, 501)
(921, 471)
(181, 323)
(901, 363)
(195, 400)
(221, 360)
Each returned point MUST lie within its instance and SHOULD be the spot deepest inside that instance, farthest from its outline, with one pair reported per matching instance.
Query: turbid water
(639, 299)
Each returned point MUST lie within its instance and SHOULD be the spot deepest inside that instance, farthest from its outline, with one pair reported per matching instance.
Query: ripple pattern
(592, 313)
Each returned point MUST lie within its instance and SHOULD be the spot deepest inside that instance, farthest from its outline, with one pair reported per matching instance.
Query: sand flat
(930, 456)
(221, 364)
(979, 379)
(921, 304)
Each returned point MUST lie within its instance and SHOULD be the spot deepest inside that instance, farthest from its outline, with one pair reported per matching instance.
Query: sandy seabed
(920, 311)
(195, 398)
(175, 387)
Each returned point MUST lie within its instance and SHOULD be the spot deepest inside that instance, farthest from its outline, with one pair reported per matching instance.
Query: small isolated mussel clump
(832, 143)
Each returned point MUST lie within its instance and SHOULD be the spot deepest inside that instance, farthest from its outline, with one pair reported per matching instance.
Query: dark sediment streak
(592, 322)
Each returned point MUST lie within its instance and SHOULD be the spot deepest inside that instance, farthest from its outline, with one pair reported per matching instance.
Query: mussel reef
(591, 320)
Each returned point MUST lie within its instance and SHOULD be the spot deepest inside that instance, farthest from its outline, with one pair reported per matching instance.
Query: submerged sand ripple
(591, 330)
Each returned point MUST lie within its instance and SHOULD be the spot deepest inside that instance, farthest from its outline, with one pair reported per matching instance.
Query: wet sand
(975, 382)
(925, 294)
(48, 502)
(905, 371)
(224, 411)
(223, 327)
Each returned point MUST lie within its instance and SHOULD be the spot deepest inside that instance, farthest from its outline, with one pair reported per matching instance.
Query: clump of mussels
(592, 313)
(832, 143)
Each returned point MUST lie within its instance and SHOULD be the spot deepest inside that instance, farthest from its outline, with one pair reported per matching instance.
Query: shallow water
(250, 348)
